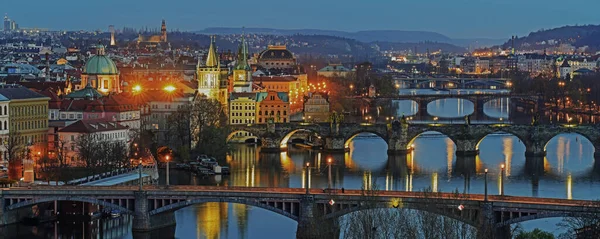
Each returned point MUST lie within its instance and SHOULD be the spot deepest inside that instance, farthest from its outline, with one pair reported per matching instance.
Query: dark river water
(568, 173)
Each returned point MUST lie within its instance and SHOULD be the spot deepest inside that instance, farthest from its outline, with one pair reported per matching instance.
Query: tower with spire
(212, 78)
(242, 74)
(163, 31)
(111, 29)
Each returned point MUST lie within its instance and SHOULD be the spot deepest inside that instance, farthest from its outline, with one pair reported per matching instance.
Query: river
(568, 172)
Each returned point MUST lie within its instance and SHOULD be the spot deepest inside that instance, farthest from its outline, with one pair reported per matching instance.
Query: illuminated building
(334, 70)
(272, 106)
(101, 73)
(27, 113)
(154, 39)
(316, 107)
(100, 130)
(212, 78)
(276, 57)
(242, 74)
(242, 108)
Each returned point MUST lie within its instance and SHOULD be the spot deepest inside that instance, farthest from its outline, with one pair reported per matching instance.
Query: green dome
(100, 65)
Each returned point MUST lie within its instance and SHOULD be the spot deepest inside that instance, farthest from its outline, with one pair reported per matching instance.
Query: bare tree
(179, 132)
(207, 119)
(585, 225)
(15, 152)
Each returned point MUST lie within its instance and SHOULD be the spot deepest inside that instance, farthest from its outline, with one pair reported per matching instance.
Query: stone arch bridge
(399, 136)
(478, 100)
(153, 207)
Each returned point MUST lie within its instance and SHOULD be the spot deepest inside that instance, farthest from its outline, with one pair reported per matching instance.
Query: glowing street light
(169, 88)
(167, 159)
(137, 88)
(502, 180)
(485, 188)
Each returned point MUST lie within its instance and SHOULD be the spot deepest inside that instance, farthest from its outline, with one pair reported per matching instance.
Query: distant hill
(363, 36)
(420, 47)
(578, 36)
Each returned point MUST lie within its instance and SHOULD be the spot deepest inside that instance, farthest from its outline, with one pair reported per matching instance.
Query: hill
(578, 36)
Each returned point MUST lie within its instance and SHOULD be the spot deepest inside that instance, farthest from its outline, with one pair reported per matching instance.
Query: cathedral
(155, 39)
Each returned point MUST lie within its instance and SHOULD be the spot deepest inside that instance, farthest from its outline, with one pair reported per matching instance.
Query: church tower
(242, 74)
(111, 29)
(212, 78)
(163, 31)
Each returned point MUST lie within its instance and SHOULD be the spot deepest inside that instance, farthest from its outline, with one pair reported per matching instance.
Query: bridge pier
(487, 224)
(335, 144)
(143, 221)
(310, 226)
(270, 144)
(466, 147)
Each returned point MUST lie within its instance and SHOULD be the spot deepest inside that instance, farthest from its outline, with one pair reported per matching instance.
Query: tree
(585, 225)
(15, 152)
(207, 119)
(535, 234)
(179, 132)
(87, 149)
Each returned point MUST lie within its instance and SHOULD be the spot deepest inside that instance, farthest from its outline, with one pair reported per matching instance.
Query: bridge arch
(72, 199)
(466, 107)
(354, 134)
(449, 212)
(520, 137)
(412, 137)
(243, 134)
(182, 204)
(581, 137)
(543, 215)
(287, 135)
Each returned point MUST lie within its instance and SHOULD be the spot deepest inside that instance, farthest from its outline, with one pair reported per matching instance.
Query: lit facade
(242, 108)
(212, 78)
(316, 107)
(101, 73)
(272, 106)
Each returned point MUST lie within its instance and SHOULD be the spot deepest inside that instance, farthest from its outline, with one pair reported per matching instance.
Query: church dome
(100, 64)
(276, 53)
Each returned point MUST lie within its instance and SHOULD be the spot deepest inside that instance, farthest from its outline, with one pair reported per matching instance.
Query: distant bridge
(153, 207)
(461, 83)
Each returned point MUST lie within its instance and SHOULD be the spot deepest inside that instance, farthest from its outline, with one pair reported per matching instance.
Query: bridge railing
(104, 175)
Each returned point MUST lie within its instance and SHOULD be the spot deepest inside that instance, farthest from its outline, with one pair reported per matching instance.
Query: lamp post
(502, 180)
(329, 161)
(307, 172)
(485, 198)
(167, 170)
(140, 171)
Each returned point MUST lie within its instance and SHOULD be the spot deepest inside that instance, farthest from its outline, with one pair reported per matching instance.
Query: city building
(272, 106)
(163, 104)
(27, 118)
(276, 58)
(334, 70)
(212, 78)
(101, 73)
(101, 130)
(316, 107)
(242, 108)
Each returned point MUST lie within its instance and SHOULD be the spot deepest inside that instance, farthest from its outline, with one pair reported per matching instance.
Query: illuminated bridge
(400, 136)
(153, 207)
(462, 83)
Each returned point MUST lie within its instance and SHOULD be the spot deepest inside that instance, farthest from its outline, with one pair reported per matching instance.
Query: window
(284, 112)
(259, 112)
(72, 137)
(284, 120)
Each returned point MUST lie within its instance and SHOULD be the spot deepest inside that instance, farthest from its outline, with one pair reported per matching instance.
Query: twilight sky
(454, 18)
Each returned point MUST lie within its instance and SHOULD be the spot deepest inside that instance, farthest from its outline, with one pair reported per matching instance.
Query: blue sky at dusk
(455, 18)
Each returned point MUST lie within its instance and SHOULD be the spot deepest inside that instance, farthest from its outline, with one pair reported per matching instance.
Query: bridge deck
(292, 192)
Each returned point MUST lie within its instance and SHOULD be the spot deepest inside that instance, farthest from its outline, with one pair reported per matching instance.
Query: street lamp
(485, 188)
(140, 171)
(329, 161)
(167, 158)
(502, 180)
(307, 172)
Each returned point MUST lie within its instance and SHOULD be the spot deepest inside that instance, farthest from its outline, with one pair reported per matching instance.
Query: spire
(242, 56)
(212, 60)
